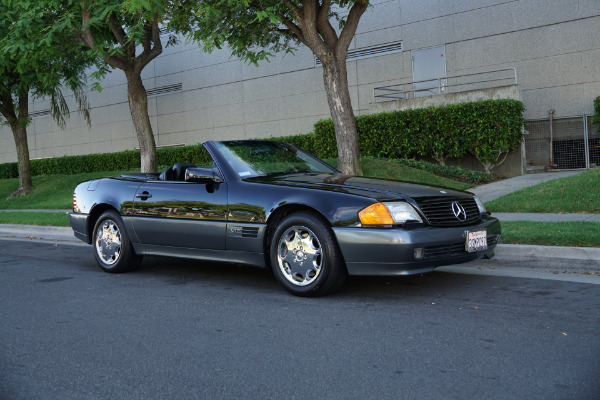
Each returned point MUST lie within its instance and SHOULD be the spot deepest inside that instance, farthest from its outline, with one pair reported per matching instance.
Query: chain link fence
(562, 143)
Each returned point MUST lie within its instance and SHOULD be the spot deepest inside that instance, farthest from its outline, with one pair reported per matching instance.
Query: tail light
(75, 208)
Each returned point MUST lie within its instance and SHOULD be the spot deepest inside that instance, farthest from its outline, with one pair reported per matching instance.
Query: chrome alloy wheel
(108, 242)
(299, 255)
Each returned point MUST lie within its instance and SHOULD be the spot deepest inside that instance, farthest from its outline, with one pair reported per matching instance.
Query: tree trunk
(20, 135)
(440, 159)
(138, 105)
(335, 77)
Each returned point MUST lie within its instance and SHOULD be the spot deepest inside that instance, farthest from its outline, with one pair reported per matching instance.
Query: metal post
(586, 142)
(551, 112)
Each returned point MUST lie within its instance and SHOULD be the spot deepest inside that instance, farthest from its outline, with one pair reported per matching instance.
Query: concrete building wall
(554, 45)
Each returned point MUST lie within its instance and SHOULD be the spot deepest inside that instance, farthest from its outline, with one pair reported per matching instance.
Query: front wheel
(305, 256)
(112, 247)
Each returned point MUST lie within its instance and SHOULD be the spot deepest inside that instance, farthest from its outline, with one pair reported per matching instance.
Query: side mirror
(201, 175)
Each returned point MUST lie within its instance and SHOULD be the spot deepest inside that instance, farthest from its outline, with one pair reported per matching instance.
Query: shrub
(596, 119)
(123, 160)
(487, 129)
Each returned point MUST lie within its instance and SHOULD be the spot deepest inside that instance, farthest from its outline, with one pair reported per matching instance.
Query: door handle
(144, 195)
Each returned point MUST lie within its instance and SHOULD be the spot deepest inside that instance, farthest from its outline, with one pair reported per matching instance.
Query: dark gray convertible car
(272, 205)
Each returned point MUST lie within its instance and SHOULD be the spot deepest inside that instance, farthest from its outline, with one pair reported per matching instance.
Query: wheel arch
(95, 213)
(280, 213)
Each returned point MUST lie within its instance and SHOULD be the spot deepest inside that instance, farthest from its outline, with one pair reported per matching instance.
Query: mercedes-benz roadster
(272, 205)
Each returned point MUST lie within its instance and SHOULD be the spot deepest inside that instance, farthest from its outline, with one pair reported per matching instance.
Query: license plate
(476, 241)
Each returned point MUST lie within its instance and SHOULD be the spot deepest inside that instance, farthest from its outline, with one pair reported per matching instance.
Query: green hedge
(596, 119)
(484, 128)
(122, 160)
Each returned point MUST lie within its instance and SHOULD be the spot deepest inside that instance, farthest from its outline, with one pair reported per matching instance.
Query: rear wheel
(112, 247)
(305, 257)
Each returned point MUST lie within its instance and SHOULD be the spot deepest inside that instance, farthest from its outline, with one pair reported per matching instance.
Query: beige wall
(554, 45)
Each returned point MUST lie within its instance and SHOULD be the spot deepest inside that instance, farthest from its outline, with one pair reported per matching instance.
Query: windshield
(257, 158)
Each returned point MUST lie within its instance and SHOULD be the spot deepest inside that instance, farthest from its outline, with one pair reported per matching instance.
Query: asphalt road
(187, 330)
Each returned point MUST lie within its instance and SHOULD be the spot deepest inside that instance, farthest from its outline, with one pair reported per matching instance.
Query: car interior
(176, 172)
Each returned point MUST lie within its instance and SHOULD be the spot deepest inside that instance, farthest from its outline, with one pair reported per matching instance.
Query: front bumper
(372, 251)
(79, 223)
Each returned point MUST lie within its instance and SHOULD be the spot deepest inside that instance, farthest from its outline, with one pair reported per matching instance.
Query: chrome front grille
(439, 211)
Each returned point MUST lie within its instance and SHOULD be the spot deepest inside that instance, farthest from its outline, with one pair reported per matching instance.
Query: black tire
(112, 248)
(305, 256)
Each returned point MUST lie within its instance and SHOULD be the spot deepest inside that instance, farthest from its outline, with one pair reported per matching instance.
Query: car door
(181, 214)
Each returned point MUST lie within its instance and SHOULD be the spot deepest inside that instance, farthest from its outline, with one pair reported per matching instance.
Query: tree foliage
(255, 30)
(125, 35)
(39, 61)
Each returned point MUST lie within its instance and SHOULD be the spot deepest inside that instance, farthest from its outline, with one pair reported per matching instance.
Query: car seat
(179, 170)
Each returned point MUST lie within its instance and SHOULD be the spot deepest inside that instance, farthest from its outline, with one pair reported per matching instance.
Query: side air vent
(38, 114)
(243, 232)
(367, 52)
(250, 232)
(178, 87)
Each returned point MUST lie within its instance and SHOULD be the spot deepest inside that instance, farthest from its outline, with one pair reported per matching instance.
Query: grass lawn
(49, 191)
(574, 194)
(34, 218)
(574, 234)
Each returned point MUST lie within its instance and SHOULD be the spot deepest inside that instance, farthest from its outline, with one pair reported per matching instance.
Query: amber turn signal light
(376, 214)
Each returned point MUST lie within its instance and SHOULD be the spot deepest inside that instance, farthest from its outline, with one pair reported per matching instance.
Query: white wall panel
(555, 46)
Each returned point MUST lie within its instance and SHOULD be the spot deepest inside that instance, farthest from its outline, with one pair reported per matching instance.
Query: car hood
(379, 189)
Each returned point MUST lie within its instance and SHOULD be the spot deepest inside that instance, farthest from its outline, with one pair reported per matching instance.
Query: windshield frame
(226, 159)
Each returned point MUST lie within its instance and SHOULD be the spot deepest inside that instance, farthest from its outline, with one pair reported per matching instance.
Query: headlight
(388, 214)
(480, 205)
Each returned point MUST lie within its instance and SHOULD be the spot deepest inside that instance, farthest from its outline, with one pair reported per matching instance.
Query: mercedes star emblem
(459, 211)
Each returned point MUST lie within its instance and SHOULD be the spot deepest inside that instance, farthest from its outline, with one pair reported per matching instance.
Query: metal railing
(447, 84)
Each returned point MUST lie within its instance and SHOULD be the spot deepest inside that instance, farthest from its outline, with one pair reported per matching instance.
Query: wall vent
(367, 52)
(39, 114)
(178, 87)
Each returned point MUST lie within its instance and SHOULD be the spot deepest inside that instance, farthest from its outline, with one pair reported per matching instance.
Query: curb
(506, 252)
(38, 232)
